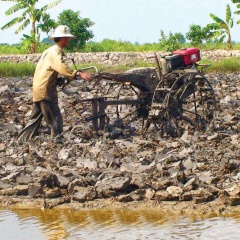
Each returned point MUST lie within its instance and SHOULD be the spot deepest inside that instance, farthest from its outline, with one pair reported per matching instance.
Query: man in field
(45, 81)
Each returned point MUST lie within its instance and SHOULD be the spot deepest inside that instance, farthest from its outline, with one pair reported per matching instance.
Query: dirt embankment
(117, 58)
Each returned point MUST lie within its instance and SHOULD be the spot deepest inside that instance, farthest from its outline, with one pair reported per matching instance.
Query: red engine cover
(190, 55)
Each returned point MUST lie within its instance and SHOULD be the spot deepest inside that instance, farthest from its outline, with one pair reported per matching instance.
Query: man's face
(65, 41)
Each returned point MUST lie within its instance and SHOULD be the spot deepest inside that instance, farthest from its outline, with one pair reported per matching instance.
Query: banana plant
(30, 15)
(27, 42)
(221, 29)
(238, 11)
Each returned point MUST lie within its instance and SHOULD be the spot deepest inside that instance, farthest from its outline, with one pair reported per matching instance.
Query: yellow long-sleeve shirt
(49, 66)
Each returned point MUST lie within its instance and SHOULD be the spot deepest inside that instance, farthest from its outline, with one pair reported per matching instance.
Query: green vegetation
(27, 69)
(79, 28)
(8, 69)
(221, 29)
(108, 45)
(16, 69)
(227, 65)
(238, 11)
(171, 42)
(198, 35)
(21, 48)
(29, 15)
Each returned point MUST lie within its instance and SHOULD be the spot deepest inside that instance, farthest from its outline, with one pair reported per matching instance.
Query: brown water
(24, 224)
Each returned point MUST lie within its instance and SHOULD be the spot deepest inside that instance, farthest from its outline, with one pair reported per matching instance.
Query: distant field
(112, 46)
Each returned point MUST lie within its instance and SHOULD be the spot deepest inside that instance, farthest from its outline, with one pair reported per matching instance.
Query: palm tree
(30, 15)
(221, 29)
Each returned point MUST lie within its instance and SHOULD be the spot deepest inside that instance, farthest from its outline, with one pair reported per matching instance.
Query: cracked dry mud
(119, 167)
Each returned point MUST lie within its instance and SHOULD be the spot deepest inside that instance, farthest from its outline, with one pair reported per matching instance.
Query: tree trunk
(229, 42)
(33, 40)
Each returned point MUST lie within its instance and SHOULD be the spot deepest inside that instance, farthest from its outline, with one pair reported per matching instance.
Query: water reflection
(112, 224)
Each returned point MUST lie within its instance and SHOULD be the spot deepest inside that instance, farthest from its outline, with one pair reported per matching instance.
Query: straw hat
(62, 31)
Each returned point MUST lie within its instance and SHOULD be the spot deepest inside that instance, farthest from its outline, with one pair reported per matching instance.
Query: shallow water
(24, 224)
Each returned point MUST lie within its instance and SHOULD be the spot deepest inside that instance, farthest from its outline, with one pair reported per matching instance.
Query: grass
(16, 69)
(227, 65)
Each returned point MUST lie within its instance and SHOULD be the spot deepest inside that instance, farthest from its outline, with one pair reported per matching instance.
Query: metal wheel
(127, 114)
(158, 121)
(191, 102)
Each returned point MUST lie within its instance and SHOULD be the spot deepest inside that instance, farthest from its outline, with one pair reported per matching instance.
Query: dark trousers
(50, 111)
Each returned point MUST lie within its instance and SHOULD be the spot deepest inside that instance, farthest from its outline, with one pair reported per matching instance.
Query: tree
(221, 29)
(30, 15)
(197, 35)
(171, 42)
(79, 28)
(47, 24)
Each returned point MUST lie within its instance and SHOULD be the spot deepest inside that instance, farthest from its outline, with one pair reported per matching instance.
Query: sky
(131, 20)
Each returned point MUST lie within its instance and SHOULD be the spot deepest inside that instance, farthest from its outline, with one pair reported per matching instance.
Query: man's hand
(85, 76)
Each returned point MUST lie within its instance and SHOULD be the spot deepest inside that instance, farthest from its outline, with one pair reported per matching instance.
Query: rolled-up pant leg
(36, 110)
(31, 129)
(52, 115)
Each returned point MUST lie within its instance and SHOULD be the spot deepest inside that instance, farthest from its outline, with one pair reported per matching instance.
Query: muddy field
(119, 166)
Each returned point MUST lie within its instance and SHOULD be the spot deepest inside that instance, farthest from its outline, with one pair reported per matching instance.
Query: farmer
(45, 81)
